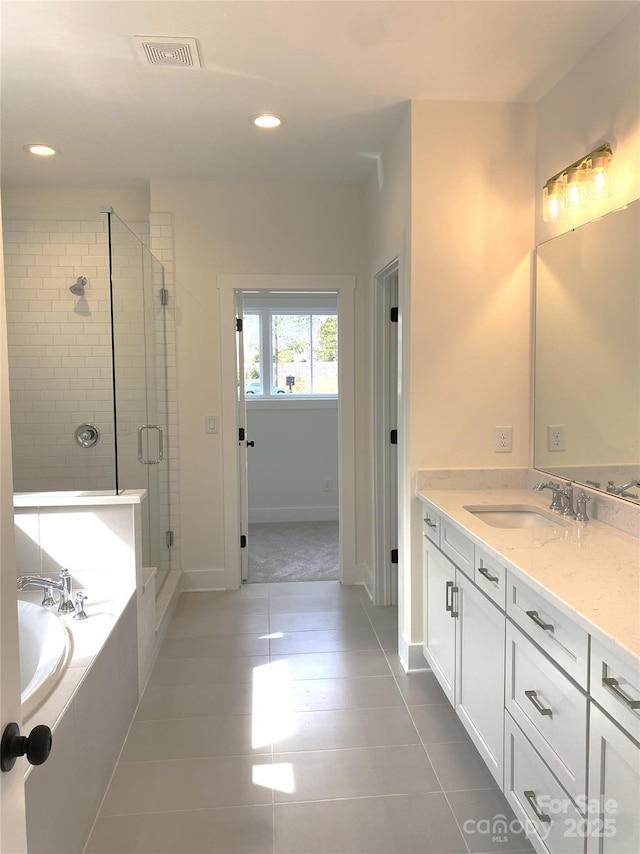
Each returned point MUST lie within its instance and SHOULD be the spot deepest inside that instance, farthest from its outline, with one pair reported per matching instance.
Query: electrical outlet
(502, 440)
(555, 437)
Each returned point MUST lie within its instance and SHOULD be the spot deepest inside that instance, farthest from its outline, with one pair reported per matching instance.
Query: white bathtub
(44, 646)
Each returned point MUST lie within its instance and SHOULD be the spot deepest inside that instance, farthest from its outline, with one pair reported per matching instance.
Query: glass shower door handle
(160, 457)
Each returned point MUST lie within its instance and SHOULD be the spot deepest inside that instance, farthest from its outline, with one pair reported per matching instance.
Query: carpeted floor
(293, 551)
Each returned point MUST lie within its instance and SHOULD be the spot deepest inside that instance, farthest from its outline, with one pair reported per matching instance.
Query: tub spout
(63, 585)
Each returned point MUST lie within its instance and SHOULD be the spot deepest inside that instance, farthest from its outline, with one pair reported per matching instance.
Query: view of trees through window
(291, 353)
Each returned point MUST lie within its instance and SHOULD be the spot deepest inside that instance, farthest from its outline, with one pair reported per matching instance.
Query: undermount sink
(515, 516)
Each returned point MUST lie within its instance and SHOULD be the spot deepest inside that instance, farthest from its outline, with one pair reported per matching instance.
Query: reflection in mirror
(587, 354)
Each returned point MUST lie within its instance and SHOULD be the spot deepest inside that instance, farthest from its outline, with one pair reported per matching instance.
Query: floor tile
(317, 621)
(418, 689)
(487, 821)
(402, 824)
(312, 602)
(195, 701)
(325, 665)
(208, 603)
(459, 766)
(186, 784)
(362, 693)
(220, 735)
(205, 671)
(347, 728)
(329, 774)
(218, 624)
(214, 647)
(236, 830)
(438, 723)
(357, 638)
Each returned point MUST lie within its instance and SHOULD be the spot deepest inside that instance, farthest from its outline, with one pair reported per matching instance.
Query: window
(291, 347)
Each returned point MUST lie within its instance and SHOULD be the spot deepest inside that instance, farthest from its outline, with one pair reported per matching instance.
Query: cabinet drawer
(615, 685)
(431, 525)
(457, 547)
(559, 636)
(547, 813)
(549, 708)
(491, 577)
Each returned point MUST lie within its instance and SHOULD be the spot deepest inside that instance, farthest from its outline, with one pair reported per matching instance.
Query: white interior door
(385, 421)
(13, 835)
(243, 475)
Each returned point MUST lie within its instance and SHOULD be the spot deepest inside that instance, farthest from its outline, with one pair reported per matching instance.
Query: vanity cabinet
(612, 825)
(463, 641)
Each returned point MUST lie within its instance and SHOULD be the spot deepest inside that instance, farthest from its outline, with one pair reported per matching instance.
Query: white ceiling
(338, 70)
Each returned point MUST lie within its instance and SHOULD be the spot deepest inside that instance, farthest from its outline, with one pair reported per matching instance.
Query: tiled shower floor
(278, 719)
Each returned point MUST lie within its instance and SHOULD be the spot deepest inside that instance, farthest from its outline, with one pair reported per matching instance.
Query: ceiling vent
(168, 51)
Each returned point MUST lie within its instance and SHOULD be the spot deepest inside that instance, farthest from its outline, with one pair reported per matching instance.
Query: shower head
(77, 288)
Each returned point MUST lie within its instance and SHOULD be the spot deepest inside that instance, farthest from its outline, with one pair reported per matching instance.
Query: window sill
(292, 402)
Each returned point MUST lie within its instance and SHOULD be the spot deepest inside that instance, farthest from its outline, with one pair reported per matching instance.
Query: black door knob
(250, 444)
(36, 746)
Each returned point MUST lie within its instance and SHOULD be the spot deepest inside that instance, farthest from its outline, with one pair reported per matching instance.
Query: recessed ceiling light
(268, 121)
(41, 150)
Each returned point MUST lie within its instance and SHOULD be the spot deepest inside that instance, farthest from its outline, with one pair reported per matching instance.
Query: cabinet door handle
(448, 604)
(533, 615)
(484, 571)
(430, 522)
(541, 816)
(614, 687)
(454, 608)
(532, 695)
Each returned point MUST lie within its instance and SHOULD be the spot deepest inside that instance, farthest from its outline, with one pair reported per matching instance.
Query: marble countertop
(591, 570)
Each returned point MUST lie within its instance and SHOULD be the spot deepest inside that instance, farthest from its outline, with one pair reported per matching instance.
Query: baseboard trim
(293, 514)
(411, 656)
(354, 574)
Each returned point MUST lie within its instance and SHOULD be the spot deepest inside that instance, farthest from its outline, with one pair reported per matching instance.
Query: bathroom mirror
(587, 354)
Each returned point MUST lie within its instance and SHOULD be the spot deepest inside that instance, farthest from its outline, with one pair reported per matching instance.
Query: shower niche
(88, 371)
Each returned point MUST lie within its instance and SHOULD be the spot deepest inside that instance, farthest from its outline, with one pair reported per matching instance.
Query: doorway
(288, 400)
(230, 286)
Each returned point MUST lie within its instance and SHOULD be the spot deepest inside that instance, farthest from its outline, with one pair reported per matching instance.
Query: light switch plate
(211, 424)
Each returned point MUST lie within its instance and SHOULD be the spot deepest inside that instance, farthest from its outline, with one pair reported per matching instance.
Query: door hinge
(393, 438)
(169, 539)
(394, 555)
(241, 434)
(243, 541)
(394, 314)
(238, 324)
(164, 296)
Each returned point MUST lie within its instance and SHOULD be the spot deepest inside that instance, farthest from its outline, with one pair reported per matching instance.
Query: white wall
(296, 449)
(253, 229)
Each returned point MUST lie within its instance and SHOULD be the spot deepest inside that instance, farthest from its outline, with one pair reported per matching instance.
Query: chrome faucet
(567, 501)
(63, 585)
(618, 490)
(556, 489)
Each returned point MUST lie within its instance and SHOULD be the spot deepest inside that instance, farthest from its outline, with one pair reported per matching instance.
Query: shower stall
(88, 368)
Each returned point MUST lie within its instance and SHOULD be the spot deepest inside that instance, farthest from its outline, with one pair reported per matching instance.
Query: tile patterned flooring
(278, 720)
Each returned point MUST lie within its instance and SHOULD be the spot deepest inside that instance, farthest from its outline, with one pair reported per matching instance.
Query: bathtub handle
(36, 746)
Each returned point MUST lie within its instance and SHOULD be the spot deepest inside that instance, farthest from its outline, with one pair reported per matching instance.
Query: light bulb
(553, 201)
(599, 186)
(576, 192)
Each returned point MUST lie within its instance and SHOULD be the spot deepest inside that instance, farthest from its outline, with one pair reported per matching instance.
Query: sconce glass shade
(577, 184)
(553, 201)
(599, 186)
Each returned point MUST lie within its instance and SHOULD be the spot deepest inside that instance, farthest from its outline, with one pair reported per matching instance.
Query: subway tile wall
(60, 360)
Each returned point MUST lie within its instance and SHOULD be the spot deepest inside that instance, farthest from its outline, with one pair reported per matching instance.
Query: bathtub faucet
(63, 585)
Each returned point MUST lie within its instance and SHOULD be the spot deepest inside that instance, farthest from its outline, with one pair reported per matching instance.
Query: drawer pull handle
(541, 816)
(448, 602)
(613, 686)
(484, 571)
(548, 627)
(431, 523)
(532, 695)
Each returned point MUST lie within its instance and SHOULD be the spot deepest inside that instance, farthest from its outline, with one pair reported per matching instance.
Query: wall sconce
(571, 189)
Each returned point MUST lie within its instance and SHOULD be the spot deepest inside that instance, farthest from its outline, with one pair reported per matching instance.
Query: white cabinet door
(613, 827)
(439, 629)
(480, 673)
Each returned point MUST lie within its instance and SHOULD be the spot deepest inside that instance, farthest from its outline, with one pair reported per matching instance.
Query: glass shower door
(140, 381)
